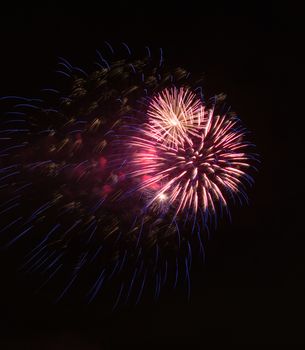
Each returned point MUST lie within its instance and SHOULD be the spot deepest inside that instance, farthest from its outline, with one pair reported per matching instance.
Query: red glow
(106, 189)
(153, 185)
(103, 162)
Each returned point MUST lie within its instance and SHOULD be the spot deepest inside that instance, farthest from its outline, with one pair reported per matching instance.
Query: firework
(189, 156)
(98, 177)
(175, 115)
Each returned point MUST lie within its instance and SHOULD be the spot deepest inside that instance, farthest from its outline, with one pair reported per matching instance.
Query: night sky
(250, 290)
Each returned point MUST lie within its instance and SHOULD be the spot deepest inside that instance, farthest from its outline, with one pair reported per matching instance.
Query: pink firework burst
(189, 156)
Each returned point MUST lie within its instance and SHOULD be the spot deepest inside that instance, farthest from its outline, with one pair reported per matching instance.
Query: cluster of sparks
(189, 156)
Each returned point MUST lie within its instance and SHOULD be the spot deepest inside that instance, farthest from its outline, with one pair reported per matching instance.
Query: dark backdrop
(250, 289)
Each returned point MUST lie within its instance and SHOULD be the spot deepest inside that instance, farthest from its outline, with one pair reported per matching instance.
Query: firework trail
(96, 179)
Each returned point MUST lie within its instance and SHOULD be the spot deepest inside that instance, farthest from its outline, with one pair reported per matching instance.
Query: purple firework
(100, 178)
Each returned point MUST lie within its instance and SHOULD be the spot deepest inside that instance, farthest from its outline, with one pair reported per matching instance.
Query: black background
(250, 290)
